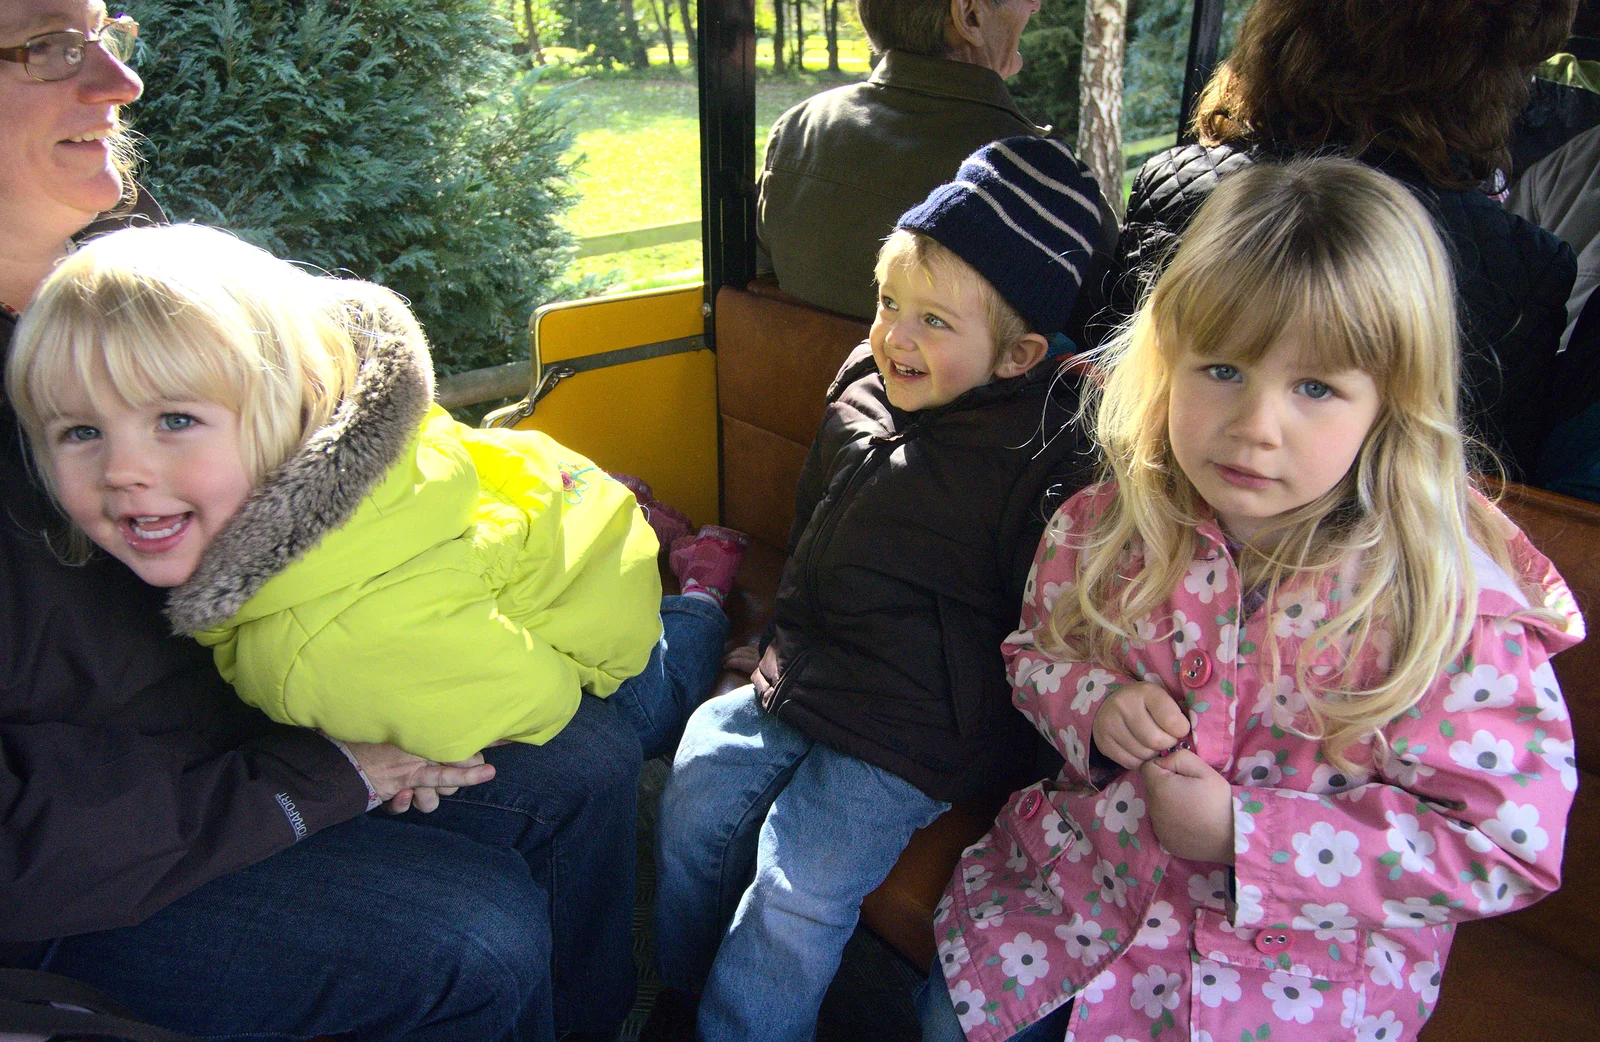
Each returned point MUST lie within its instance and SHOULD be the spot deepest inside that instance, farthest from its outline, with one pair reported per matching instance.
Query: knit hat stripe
(1092, 205)
(1056, 255)
(1033, 203)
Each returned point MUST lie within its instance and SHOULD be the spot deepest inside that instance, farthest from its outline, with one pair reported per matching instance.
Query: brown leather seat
(1534, 975)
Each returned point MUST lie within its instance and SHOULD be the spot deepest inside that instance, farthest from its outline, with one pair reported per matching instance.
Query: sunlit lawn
(640, 143)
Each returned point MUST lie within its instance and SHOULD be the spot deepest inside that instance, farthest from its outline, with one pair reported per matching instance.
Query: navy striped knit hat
(1025, 213)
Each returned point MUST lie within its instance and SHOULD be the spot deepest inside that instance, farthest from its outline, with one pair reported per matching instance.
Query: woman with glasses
(211, 870)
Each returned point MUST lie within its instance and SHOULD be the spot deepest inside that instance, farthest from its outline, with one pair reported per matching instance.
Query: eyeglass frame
(19, 54)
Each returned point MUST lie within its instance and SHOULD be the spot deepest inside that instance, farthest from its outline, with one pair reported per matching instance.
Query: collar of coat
(317, 489)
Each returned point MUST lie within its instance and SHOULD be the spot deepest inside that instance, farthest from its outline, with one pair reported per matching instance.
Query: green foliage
(594, 29)
(1046, 90)
(1158, 49)
(389, 138)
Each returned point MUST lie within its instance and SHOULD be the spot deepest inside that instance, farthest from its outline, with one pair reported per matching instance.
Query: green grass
(639, 142)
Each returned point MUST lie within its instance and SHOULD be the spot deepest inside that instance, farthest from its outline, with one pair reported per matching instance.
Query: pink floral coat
(1347, 887)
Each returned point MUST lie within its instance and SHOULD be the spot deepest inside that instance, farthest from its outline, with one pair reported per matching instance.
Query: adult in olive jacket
(211, 870)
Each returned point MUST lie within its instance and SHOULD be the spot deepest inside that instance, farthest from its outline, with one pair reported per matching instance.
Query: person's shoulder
(1175, 182)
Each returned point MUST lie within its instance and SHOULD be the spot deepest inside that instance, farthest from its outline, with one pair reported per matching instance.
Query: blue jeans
(682, 670)
(505, 914)
(941, 1023)
(769, 841)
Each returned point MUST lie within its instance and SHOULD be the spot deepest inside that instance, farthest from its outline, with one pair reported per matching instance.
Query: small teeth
(97, 135)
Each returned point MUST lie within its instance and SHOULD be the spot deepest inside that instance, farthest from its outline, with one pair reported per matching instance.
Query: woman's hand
(1138, 722)
(403, 780)
(1191, 807)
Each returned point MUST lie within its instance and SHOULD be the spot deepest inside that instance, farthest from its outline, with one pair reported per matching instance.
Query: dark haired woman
(1426, 93)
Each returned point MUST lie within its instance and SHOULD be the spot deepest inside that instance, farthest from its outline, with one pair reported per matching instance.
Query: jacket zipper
(879, 444)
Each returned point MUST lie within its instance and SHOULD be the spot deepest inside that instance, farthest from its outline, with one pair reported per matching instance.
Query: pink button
(1195, 669)
(1273, 941)
(1030, 804)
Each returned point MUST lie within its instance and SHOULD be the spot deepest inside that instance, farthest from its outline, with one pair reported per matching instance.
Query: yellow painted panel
(656, 418)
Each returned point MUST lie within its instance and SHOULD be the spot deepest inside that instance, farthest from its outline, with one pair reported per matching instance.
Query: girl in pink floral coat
(1298, 670)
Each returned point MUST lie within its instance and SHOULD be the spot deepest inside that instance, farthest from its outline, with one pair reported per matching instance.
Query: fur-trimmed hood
(317, 489)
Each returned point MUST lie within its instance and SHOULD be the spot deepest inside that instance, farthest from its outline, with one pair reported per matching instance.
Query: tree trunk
(533, 32)
(799, 63)
(1100, 94)
(688, 29)
(630, 32)
(777, 34)
(663, 17)
(831, 26)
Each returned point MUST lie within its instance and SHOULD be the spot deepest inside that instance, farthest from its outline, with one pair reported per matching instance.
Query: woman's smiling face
(56, 168)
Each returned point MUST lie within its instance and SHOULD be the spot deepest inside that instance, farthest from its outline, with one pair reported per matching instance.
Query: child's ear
(1021, 356)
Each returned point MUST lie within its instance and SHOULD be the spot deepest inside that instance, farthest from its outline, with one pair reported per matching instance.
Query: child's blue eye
(176, 421)
(1225, 373)
(888, 304)
(936, 322)
(1316, 390)
(80, 433)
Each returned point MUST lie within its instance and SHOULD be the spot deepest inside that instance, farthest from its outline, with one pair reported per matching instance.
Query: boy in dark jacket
(881, 696)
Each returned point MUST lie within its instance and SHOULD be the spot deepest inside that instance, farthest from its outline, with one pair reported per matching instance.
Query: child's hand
(399, 777)
(1191, 807)
(1138, 722)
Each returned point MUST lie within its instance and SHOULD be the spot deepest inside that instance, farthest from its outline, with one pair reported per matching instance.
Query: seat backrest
(1568, 532)
(776, 358)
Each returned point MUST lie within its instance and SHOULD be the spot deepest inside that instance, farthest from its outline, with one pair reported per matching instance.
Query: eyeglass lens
(56, 56)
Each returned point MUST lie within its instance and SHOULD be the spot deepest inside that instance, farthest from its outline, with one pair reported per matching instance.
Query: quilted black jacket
(1513, 279)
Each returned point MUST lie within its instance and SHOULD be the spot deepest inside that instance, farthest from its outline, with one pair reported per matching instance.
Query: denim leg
(681, 672)
(731, 764)
(373, 929)
(569, 807)
(831, 837)
(941, 1020)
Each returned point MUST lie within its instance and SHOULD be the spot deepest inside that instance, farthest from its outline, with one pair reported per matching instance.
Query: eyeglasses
(49, 57)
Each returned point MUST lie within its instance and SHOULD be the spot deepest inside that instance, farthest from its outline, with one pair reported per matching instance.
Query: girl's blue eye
(1225, 373)
(176, 421)
(80, 433)
(888, 304)
(1316, 390)
(936, 322)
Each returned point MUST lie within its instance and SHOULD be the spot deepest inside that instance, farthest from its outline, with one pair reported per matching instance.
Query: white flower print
(1185, 634)
(1280, 702)
(1388, 963)
(968, 1002)
(1111, 886)
(1120, 809)
(953, 953)
(1228, 643)
(1547, 693)
(1411, 841)
(1329, 922)
(1051, 593)
(1326, 779)
(1060, 525)
(1073, 748)
(1474, 839)
(1259, 769)
(942, 911)
(1095, 990)
(1024, 958)
(988, 914)
(1414, 911)
(1207, 579)
(1516, 828)
(1355, 1007)
(1155, 991)
(1484, 688)
(1160, 926)
(1500, 891)
(1018, 859)
(1424, 980)
(1485, 753)
(1082, 940)
(1299, 613)
(1217, 983)
(973, 876)
(1327, 854)
(1562, 759)
(1211, 890)
(1405, 768)
(1250, 910)
(1381, 643)
(1244, 826)
(1382, 1028)
(1293, 998)
(1144, 632)
(1047, 681)
(1091, 689)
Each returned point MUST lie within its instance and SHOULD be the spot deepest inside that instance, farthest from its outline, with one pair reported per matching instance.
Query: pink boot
(669, 523)
(706, 563)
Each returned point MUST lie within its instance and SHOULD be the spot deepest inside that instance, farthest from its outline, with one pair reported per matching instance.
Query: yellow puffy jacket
(427, 584)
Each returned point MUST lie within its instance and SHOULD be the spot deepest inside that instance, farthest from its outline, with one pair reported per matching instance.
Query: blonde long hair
(188, 313)
(1353, 258)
